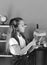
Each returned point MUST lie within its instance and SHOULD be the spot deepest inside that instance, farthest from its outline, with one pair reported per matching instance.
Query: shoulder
(12, 41)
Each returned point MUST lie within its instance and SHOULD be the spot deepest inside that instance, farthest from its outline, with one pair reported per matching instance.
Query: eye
(22, 25)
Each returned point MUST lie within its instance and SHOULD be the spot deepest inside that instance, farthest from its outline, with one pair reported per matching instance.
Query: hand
(36, 47)
(34, 41)
(41, 40)
(45, 45)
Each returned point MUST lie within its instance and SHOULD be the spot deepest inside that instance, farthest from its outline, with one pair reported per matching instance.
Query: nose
(25, 25)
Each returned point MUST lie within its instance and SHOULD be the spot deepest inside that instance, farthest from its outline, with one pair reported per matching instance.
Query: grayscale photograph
(23, 32)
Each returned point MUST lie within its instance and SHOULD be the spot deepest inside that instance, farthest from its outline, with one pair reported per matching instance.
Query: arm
(20, 51)
(13, 45)
(33, 43)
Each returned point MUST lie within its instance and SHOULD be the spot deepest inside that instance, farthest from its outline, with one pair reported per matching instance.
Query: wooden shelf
(5, 55)
(2, 40)
(4, 25)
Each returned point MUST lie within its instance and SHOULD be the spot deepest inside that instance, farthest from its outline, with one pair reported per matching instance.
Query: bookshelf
(3, 37)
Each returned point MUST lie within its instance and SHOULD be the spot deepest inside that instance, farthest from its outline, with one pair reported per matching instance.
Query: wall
(32, 11)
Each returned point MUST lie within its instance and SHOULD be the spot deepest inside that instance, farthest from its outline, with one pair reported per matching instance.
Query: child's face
(21, 26)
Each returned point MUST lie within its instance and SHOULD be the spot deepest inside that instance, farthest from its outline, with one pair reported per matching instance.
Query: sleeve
(12, 41)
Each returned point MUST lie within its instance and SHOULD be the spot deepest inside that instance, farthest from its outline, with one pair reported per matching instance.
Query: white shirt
(13, 41)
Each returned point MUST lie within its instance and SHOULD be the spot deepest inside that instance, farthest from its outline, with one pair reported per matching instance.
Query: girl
(17, 43)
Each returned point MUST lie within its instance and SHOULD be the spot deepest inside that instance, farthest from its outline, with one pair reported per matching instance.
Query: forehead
(21, 22)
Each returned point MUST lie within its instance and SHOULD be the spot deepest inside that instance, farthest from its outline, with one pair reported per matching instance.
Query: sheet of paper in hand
(40, 36)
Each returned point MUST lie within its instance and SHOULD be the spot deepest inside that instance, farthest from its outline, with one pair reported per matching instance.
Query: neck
(18, 33)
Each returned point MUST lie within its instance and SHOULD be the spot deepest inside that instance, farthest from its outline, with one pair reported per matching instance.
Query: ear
(17, 29)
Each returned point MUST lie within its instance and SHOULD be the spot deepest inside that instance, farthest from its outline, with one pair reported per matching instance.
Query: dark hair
(15, 21)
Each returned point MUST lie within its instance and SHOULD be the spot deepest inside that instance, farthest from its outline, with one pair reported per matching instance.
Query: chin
(22, 31)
